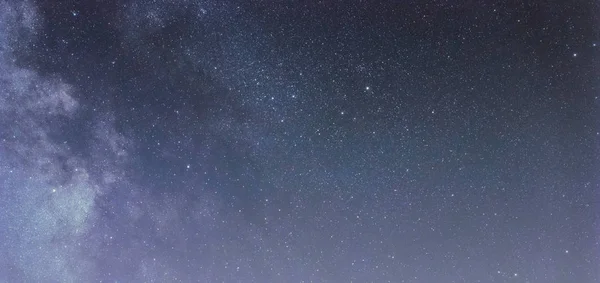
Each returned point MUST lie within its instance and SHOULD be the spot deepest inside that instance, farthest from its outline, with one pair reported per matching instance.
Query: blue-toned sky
(299, 141)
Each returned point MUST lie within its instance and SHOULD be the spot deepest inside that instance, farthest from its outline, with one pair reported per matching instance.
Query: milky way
(299, 141)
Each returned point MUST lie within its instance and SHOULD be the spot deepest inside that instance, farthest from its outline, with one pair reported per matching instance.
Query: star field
(319, 141)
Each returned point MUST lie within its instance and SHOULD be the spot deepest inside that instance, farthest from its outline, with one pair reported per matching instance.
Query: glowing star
(367, 88)
(53, 190)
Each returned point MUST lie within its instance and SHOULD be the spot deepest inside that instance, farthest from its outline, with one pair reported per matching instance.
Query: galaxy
(299, 141)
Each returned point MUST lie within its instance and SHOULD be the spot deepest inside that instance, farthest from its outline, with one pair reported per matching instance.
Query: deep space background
(300, 141)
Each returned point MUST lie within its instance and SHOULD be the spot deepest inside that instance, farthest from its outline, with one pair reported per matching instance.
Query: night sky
(300, 141)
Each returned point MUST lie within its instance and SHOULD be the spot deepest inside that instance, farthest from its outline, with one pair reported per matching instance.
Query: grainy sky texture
(300, 141)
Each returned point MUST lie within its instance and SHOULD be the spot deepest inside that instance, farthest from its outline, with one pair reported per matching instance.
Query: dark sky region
(300, 141)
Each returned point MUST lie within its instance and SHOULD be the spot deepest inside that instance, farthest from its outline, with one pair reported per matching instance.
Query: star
(470, 152)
